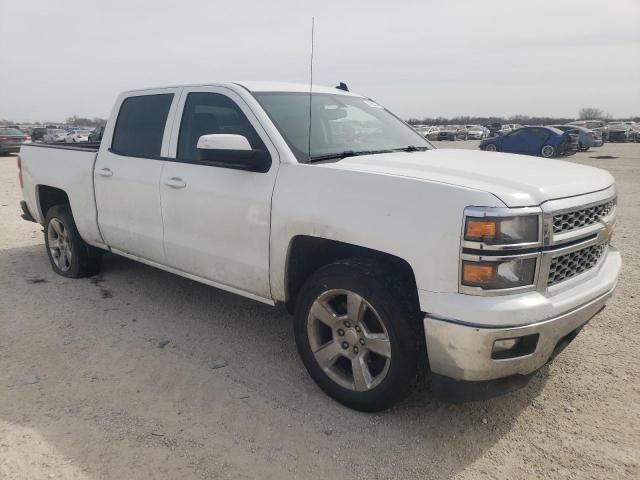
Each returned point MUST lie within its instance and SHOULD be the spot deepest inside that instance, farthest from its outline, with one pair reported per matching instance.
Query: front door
(216, 219)
(127, 174)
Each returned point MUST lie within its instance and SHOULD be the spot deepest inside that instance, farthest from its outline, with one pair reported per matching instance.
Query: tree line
(587, 113)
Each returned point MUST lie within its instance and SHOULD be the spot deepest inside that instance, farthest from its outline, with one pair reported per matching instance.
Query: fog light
(514, 347)
(505, 344)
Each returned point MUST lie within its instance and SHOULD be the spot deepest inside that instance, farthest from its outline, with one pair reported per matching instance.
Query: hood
(517, 180)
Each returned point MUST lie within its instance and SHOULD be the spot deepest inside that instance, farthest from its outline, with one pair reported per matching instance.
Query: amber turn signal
(480, 229)
(478, 274)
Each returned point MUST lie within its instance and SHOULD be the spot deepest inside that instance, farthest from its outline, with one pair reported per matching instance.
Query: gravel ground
(112, 377)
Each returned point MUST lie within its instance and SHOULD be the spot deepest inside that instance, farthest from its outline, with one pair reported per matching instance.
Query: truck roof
(261, 86)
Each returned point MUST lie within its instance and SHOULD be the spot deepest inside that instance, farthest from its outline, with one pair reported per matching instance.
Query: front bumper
(464, 352)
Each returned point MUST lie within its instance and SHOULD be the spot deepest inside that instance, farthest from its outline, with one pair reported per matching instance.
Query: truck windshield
(341, 125)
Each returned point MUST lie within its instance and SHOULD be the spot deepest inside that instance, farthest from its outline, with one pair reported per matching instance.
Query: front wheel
(358, 334)
(69, 255)
(548, 151)
(490, 147)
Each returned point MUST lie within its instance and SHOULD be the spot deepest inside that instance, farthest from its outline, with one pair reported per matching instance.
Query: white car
(78, 136)
(56, 135)
(392, 255)
(431, 133)
(477, 132)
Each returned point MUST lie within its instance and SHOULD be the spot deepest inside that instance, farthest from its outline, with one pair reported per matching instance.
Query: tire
(548, 151)
(388, 321)
(490, 147)
(69, 255)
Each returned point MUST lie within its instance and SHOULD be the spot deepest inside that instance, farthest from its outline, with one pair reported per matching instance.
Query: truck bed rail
(82, 146)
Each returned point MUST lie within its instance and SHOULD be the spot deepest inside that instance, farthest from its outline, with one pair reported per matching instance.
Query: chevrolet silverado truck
(398, 261)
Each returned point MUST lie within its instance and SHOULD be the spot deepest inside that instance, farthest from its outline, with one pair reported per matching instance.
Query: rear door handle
(105, 172)
(175, 182)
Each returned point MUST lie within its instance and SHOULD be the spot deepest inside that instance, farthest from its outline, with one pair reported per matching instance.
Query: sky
(417, 58)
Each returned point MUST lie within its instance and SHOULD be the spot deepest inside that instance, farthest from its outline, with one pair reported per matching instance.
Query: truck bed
(68, 167)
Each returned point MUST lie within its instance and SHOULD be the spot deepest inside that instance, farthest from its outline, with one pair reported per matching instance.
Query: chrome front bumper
(464, 352)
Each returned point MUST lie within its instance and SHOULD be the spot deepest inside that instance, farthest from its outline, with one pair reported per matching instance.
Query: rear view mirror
(232, 151)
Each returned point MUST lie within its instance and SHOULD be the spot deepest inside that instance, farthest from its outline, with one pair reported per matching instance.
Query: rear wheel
(69, 255)
(548, 151)
(358, 334)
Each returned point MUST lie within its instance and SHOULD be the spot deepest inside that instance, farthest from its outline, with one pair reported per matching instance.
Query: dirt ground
(112, 378)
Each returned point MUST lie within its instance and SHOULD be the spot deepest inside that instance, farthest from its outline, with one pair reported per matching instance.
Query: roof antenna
(313, 21)
(343, 86)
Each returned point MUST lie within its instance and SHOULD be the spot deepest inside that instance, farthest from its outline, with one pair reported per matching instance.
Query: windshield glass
(339, 123)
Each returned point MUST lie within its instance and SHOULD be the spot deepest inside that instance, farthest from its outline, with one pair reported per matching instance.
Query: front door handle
(175, 182)
(105, 172)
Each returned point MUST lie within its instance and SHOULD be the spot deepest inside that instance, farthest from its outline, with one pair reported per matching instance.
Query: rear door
(217, 219)
(127, 173)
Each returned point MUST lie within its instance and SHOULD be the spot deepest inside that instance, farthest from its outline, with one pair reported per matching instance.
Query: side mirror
(232, 151)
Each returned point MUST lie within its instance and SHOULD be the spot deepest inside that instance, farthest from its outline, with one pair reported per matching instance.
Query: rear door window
(140, 126)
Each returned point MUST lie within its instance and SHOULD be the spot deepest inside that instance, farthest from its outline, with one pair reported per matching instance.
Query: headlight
(501, 230)
(500, 250)
(499, 274)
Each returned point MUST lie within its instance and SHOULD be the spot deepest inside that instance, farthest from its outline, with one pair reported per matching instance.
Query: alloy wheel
(59, 244)
(349, 340)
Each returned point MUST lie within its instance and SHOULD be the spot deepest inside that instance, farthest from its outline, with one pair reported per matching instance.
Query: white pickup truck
(395, 258)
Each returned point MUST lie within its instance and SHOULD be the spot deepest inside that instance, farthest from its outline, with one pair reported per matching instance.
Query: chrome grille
(571, 264)
(565, 222)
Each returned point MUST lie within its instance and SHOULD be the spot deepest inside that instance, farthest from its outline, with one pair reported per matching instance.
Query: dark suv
(37, 133)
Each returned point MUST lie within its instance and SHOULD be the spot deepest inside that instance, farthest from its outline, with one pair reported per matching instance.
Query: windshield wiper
(345, 154)
(411, 148)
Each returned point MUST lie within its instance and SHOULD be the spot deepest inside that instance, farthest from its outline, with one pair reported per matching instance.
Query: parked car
(477, 132)
(225, 184)
(11, 139)
(621, 132)
(543, 141)
(78, 136)
(495, 129)
(453, 132)
(586, 138)
(55, 135)
(96, 134)
(505, 129)
(431, 133)
(38, 133)
(595, 125)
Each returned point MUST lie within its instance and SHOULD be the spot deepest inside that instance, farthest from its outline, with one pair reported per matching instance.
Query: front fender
(418, 221)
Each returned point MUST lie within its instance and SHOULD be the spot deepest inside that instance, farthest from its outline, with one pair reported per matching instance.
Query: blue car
(542, 141)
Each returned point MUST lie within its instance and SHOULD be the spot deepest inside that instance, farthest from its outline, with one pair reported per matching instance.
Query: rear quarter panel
(69, 170)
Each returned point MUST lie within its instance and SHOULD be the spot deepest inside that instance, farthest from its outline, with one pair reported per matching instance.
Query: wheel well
(49, 197)
(308, 254)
